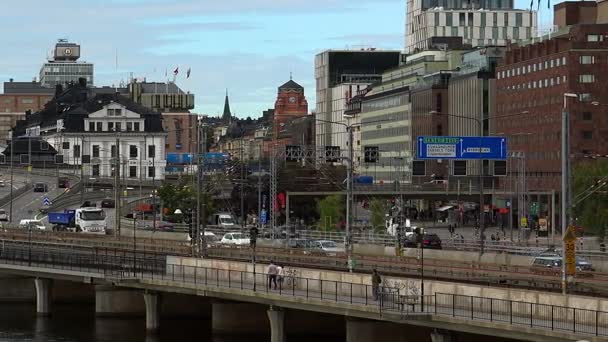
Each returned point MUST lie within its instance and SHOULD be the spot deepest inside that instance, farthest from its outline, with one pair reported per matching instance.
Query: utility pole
(349, 195)
(10, 214)
(203, 240)
(242, 185)
(117, 186)
(82, 171)
(482, 211)
(260, 185)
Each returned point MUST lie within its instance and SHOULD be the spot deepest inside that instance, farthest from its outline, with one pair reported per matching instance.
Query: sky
(249, 47)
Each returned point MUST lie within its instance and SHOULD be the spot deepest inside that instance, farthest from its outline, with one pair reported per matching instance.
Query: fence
(123, 264)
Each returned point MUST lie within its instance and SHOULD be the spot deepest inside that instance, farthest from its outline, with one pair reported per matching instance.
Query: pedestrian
(281, 275)
(376, 281)
(272, 275)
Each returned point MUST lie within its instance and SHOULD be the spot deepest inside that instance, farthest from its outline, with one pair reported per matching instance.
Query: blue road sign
(46, 201)
(462, 148)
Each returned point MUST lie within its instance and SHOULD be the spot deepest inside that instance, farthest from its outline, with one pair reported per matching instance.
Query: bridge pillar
(43, 296)
(152, 300)
(276, 316)
(441, 336)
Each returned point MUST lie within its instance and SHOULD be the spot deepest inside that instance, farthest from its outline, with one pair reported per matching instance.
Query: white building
(478, 22)
(85, 129)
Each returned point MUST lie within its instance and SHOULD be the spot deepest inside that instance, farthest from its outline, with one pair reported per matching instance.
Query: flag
(176, 71)
(188, 73)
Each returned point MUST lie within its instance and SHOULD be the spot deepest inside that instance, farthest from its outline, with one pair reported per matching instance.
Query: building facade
(100, 132)
(478, 22)
(531, 84)
(339, 74)
(290, 104)
(63, 66)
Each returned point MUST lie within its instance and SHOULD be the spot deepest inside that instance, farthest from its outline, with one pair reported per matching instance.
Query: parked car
(299, 243)
(41, 187)
(552, 265)
(3, 215)
(209, 237)
(429, 241)
(2, 184)
(108, 203)
(238, 239)
(326, 246)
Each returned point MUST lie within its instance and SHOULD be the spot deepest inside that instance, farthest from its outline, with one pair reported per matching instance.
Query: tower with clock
(290, 104)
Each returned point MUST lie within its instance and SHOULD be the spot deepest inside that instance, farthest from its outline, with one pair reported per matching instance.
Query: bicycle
(290, 278)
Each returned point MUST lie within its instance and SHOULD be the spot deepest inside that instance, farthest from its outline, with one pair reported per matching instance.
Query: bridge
(122, 279)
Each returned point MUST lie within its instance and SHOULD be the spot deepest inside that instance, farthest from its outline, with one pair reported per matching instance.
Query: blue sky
(247, 46)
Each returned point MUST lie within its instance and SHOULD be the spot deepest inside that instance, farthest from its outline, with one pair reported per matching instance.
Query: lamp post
(481, 196)
(565, 196)
(134, 242)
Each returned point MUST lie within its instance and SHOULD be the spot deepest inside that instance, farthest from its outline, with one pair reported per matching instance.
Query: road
(27, 205)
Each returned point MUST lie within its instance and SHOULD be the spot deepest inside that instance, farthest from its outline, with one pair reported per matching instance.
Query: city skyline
(250, 48)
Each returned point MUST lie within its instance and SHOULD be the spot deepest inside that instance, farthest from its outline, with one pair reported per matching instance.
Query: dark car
(63, 182)
(431, 241)
(108, 203)
(40, 187)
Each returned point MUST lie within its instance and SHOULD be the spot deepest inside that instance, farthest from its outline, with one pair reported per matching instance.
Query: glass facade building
(53, 73)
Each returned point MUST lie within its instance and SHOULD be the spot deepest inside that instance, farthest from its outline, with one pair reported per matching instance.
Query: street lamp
(565, 197)
(481, 199)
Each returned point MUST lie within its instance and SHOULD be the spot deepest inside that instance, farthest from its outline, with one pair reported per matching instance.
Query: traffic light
(371, 154)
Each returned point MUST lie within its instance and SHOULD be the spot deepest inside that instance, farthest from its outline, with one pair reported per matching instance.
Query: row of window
(547, 82)
(96, 149)
(98, 126)
(526, 69)
(96, 168)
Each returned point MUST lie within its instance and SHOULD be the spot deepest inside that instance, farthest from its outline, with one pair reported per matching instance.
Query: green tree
(377, 210)
(330, 211)
(591, 212)
(182, 196)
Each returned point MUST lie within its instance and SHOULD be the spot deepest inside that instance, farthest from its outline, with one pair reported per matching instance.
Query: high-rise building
(478, 22)
(339, 75)
(63, 66)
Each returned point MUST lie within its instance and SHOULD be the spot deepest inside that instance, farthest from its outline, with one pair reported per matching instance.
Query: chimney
(10, 80)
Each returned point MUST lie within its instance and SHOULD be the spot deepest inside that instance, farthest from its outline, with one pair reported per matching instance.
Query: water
(18, 323)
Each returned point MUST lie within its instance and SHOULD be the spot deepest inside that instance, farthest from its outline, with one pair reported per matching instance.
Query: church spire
(227, 115)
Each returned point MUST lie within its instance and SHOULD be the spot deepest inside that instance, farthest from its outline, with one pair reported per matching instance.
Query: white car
(3, 215)
(327, 246)
(238, 239)
(209, 237)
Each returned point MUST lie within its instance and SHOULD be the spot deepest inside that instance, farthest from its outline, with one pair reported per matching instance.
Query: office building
(478, 22)
(63, 66)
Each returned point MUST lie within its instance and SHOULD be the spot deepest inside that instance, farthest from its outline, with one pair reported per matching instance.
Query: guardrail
(387, 299)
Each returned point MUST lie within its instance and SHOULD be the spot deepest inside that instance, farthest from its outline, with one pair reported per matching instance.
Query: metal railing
(121, 264)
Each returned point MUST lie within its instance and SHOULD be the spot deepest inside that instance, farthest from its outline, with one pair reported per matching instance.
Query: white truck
(91, 220)
(224, 220)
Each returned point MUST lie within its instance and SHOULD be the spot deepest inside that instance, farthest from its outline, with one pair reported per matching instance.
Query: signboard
(263, 217)
(46, 201)
(543, 224)
(570, 251)
(463, 148)
(524, 222)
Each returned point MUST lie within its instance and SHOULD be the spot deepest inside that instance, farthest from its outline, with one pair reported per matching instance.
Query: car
(41, 187)
(238, 239)
(108, 203)
(209, 237)
(326, 246)
(44, 209)
(31, 224)
(429, 241)
(3, 215)
(299, 243)
(2, 184)
(551, 264)
(164, 226)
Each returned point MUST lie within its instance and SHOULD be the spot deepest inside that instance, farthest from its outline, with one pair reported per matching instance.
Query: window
(587, 116)
(584, 97)
(546, 65)
(595, 38)
(551, 63)
(118, 126)
(529, 68)
(114, 112)
(136, 126)
(461, 19)
(91, 126)
(132, 151)
(534, 67)
(587, 135)
(99, 126)
(151, 151)
(470, 19)
(564, 78)
(113, 151)
(557, 62)
(95, 170)
(586, 59)
(76, 151)
(110, 126)
(540, 66)
(563, 60)
(27, 101)
(151, 172)
(132, 171)
(95, 151)
(586, 78)
(129, 126)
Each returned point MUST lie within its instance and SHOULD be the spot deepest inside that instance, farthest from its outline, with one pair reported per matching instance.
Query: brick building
(531, 84)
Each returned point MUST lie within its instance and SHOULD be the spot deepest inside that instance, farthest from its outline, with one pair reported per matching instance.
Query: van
(31, 224)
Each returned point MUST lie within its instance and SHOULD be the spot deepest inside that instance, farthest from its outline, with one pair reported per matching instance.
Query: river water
(18, 323)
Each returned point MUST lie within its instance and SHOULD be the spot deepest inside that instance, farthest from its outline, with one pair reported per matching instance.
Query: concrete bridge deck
(350, 295)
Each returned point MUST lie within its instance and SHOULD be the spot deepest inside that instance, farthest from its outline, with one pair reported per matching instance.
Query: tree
(330, 211)
(182, 196)
(377, 210)
(591, 212)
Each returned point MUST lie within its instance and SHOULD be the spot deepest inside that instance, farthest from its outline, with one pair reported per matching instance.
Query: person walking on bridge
(376, 281)
(272, 275)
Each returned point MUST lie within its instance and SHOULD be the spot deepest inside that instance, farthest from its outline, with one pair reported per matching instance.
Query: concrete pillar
(152, 300)
(441, 336)
(111, 301)
(276, 316)
(43, 296)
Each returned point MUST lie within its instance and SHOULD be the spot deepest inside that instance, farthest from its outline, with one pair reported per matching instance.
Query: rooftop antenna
(290, 76)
